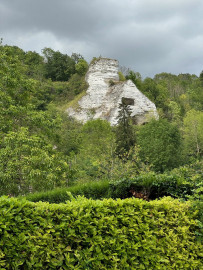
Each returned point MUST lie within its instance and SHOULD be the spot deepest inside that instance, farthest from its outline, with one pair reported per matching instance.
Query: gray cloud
(147, 36)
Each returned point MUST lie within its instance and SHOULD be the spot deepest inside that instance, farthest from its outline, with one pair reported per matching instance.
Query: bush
(151, 186)
(87, 234)
(94, 190)
(121, 76)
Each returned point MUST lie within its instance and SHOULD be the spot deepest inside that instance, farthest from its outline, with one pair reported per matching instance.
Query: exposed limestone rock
(106, 92)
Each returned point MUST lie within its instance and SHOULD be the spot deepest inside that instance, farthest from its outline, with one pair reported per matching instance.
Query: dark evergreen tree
(125, 138)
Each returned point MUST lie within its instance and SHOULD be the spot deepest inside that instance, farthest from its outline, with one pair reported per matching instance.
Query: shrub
(111, 83)
(121, 76)
(87, 234)
(151, 186)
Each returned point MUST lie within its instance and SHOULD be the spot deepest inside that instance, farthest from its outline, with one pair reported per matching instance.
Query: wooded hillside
(42, 148)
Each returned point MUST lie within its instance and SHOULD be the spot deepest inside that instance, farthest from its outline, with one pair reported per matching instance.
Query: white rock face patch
(106, 92)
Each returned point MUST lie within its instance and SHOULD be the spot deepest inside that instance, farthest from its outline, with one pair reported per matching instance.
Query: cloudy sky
(148, 36)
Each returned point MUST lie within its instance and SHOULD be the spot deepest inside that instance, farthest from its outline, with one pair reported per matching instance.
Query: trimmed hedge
(152, 186)
(86, 234)
(93, 190)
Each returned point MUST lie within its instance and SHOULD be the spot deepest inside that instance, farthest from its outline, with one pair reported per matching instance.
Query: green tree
(201, 77)
(15, 90)
(94, 158)
(76, 57)
(68, 135)
(27, 163)
(81, 67)
(19, 99)
(35, 65)
(136, 78)
(193, 133)
(58, 66)
(175, 112)
(160, 144)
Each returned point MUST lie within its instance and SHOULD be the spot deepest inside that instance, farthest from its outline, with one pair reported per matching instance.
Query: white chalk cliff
(106, 92)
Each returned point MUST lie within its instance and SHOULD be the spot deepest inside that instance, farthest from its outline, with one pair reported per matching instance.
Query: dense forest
(42, 148)
(65, 187)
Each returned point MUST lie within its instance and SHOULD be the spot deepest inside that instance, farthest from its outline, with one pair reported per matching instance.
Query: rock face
(106, 92)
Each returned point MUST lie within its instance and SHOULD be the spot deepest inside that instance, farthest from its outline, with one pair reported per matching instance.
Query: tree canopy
(160, 144)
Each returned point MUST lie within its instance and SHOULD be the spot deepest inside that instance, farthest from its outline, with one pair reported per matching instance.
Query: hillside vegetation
(47, 156)
(42, 148)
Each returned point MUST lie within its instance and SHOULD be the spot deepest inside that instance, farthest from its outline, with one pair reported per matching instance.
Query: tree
(193, 133)
(94, 157)
(135, 77)
(125, 137)
(81, 67)
(19, 98)
(15, 90)
(160, 144)
(175, 112)
(58, 66)
(157, 92)
(201, 77)
(35, 65)
(69, 135)
(28, 163)
(76, 57)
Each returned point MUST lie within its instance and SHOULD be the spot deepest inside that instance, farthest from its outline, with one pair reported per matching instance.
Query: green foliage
(121, 76)
(27, 163)
(68, 136)
(35, 66)
(193, 133)
(160, 144)
(174, 112)
(201, 77)
(21, 98)
(77, 84)
(91, 190)
(33, 62)
(81, 67)
(125, 137)
(136, 78)
(58, 66)
(183, 182)
(94, 60)
(193, 173)
(87, 234)
(151, 186)
(76, 57)
(184, 89)
(32, 109)
(157, 93)
(96, 148)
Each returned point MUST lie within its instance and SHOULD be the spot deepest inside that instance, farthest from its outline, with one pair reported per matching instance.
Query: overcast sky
(148, 36)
